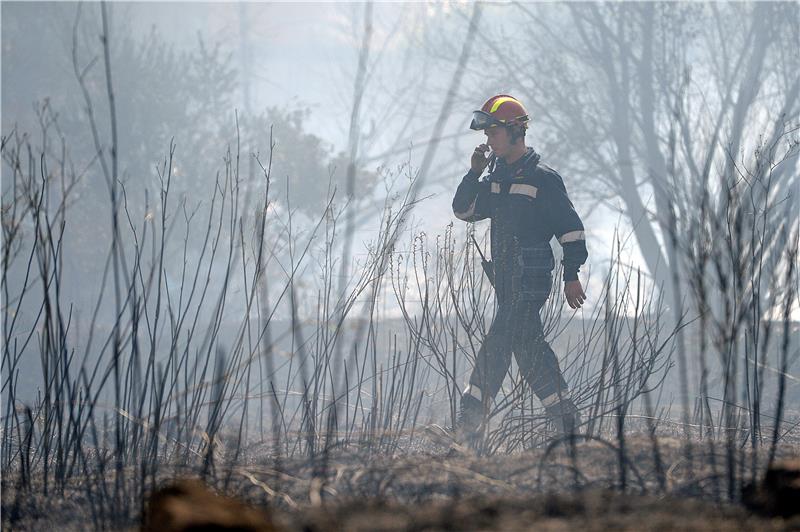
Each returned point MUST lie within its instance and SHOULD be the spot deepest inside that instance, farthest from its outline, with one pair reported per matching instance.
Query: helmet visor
(482, 120)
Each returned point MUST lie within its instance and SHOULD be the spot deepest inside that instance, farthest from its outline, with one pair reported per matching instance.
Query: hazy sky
(297, 48)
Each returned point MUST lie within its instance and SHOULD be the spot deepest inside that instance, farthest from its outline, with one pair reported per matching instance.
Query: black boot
(565, 416)
(469, 420)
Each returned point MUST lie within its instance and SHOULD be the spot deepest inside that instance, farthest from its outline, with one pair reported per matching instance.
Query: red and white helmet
(500, 110)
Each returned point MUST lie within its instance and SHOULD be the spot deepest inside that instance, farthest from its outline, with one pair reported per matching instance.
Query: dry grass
(441, 490)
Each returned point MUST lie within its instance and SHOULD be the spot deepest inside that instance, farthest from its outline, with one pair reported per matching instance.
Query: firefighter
(527, 204)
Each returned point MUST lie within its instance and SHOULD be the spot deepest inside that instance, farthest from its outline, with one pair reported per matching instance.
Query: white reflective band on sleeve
(496, 188)
(550, 400)
(469, 212)
(474, 391)
(572, 236)
(526, 190)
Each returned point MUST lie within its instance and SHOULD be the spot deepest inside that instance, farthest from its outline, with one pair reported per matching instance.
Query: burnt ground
(438, 489)
(594, 510)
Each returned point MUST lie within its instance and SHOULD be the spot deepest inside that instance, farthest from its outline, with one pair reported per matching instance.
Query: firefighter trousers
(517, 329)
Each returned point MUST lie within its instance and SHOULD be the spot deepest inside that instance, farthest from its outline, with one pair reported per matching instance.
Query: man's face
(498, 139)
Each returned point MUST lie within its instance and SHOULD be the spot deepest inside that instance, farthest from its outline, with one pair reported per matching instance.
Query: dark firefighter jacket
(528, 205)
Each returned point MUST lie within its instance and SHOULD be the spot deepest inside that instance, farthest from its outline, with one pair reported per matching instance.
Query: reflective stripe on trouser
(517, 328)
